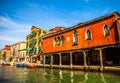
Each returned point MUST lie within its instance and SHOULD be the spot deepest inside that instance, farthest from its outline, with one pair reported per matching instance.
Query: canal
(12, 74)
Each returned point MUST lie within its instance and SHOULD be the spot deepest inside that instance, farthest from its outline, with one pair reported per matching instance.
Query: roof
(81, 24)
(18, 43)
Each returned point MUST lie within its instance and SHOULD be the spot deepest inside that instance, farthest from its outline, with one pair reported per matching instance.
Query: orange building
(95, 42)
(6, 54)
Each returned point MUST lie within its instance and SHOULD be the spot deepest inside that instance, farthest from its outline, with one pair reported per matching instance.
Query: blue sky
(17, 16)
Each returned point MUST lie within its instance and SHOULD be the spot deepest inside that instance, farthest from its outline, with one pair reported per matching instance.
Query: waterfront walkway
(76, 67)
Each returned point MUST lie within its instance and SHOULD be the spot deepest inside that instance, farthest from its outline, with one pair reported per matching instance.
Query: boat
(20, 64)
(6, 64)
(12, 63)
(30, 66)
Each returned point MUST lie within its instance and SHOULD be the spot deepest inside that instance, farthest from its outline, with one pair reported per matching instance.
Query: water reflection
(11, 74)
(102, 78)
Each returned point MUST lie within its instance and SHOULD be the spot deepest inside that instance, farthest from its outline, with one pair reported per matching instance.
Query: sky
(18, 16)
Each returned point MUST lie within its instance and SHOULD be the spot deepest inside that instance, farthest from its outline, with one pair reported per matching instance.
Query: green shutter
(32, 34)
(34, 49)
(39, 40)
(44, 31)
(39, 48)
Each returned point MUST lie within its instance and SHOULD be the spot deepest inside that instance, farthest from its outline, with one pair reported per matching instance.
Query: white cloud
(11, 31)
(10, 39)
(106, 10)
(6, 22)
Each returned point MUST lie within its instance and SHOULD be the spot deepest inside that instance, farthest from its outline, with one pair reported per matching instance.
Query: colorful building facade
(18, 51)
(34, 48)
(22, 51)
(5, 53)
(96, 42)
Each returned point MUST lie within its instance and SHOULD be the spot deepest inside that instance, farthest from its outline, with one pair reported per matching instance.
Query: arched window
(106, 30)
(75, 37)
(88, 35)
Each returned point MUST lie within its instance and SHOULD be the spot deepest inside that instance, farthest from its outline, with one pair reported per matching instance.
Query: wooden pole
(60, 61)
(101, 60)
(51, 60)
(85, 60)
(71, 59)
(44, 61)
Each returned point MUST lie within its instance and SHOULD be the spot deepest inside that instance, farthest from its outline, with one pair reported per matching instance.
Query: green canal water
(12, 74)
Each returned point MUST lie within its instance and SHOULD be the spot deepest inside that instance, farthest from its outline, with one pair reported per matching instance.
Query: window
(39, 32)
(75, 37)
(39, 40)
(55, 41)
(88, 35)
(44, 32)
(58, 41)
(106, 30)
(39, 49)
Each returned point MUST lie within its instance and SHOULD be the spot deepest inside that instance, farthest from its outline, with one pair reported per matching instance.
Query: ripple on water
(12, 74)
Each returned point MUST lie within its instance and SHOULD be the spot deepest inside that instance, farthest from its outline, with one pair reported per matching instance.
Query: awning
(26, 56)
(31, 49)
(15, 56)
(21, 57)
(34, 55)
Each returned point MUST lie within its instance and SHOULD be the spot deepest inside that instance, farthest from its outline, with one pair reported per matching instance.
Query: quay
(87, 68)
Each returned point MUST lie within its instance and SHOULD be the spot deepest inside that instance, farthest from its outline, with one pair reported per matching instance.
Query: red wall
(7, 47)
(98, 37)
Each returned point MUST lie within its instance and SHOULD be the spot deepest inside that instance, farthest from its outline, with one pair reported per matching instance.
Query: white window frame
(86, 35)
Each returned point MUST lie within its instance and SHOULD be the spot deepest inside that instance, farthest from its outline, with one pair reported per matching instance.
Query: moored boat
(6, 64)
(12, 63)
(30, 66)
(20, 64)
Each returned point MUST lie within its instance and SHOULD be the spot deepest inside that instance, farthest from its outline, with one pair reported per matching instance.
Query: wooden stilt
(51, 60)
(44, 61)
(85, 60)
(101, 60)
(60, 61)
(71, 59)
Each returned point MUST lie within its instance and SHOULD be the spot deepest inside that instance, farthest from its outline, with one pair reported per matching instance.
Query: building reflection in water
(102, 78)
(78, 74)
(40, 75)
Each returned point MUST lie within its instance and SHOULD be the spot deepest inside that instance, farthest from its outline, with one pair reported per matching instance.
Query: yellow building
(33, 44)
(1, 54)
(18, 51)
(22, 51)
